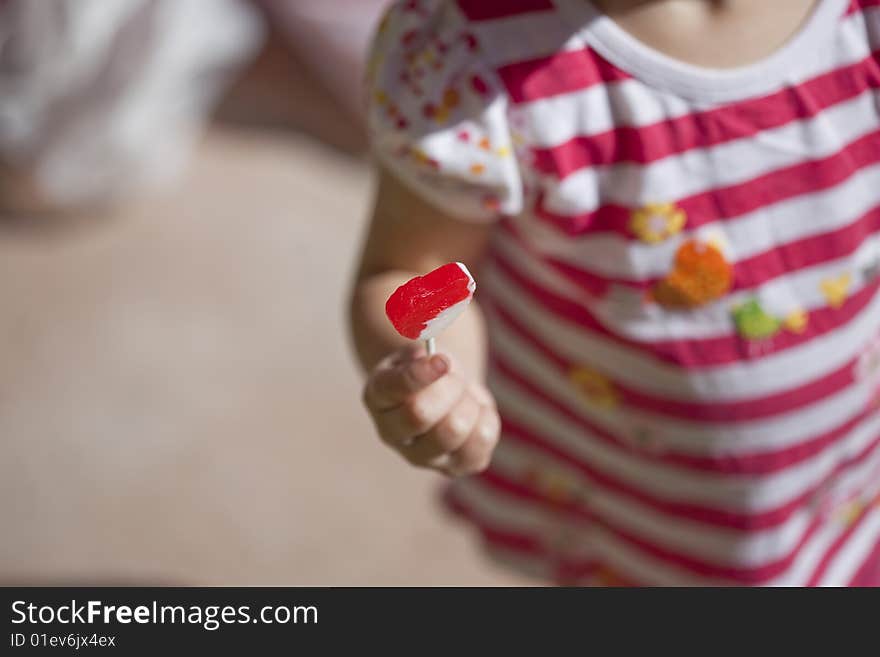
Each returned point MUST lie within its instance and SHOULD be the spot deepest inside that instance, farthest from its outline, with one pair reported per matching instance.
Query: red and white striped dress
(682, 287)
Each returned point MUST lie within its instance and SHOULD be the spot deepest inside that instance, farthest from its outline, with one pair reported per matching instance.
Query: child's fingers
(420, 412)
(476, 453)
(394, 381)
(448, 435)
(482, 395)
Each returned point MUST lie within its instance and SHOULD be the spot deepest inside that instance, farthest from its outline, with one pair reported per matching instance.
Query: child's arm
(436, 412)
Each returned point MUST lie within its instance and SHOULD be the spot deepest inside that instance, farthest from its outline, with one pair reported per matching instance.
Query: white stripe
(603, 107)
(532, 566)
(748, 235)
(622, 309)
(680, 434)
(809, 557)
(595, 542)
(700, 170)
(524, 517)
(741, 493)
(846, 563)
(742, 380)
(721, 545)
(711, 543)
(600, 108)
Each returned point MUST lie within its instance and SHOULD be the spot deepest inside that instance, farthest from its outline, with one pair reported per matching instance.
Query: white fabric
(99, 98)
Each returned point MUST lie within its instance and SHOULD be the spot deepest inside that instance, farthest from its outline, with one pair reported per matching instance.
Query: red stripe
(562, 72)
(835, 548)
(530, 546)
(607, 218)
(723, 203)
(806, 252)
(644, 144)
(748, 273)
(860, 5)
(566, 568)
(740, 574)
(743, 575)
(745, 410)
(757, 463)
(869, 572)
(705, 568)
(516, 542)
(485, 10)
(693, 353)
(690, 511)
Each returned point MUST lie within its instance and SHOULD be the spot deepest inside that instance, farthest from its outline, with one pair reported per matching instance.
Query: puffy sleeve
(438, 115)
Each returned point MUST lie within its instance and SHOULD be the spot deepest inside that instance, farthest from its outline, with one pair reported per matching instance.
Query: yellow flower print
(451, 98)
(836, 290)
(553, 485)
(441, 115)
(595, 387)
(850, 512)
(796, 321)
(504, 151)
(559, 488)
(657, 222)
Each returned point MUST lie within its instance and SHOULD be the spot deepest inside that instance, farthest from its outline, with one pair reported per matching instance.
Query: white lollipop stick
(431, 345)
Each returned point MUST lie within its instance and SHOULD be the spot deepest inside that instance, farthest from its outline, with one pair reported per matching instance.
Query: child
(673, 212)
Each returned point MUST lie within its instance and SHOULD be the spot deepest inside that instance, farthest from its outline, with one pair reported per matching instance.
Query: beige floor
(177, 398)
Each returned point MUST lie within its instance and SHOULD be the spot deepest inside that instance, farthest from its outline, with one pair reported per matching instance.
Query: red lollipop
(426, 305)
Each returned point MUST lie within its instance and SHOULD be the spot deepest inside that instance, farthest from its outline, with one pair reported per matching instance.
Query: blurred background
(183, 188)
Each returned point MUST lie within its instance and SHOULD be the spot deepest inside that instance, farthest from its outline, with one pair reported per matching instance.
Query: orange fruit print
(700, 274)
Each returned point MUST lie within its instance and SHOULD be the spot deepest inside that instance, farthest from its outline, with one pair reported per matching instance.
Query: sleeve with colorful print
(438, 116)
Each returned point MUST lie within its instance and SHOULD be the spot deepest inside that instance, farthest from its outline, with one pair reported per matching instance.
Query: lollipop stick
(431, 346)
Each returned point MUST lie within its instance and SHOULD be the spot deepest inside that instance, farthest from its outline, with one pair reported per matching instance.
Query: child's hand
(431, 414)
